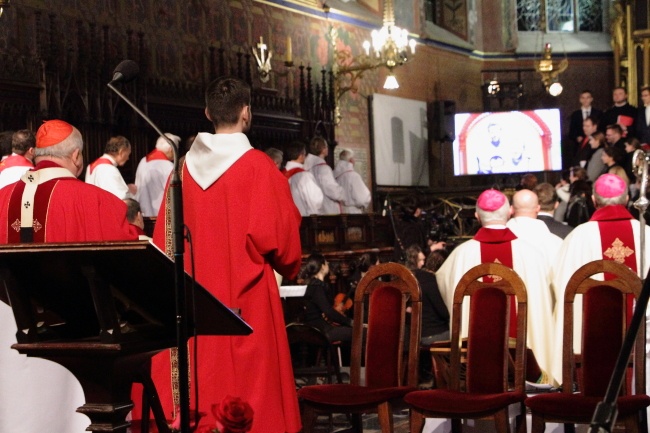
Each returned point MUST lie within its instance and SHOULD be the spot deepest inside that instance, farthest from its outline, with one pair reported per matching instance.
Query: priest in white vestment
(494, 242)
(524, 224)
(611, 234)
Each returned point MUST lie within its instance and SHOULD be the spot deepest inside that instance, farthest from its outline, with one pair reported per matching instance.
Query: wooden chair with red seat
(603, 330)
(388, 288)
(487, 393)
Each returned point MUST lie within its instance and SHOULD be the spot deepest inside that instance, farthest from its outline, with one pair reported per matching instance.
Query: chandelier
(390, 47)
(551, 71)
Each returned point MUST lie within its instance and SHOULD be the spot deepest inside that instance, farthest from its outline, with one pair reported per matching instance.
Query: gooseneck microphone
(127, 70)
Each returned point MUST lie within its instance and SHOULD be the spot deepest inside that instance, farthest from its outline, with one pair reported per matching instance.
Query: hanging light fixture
(3, 5)
(390, 47)
(550, 71)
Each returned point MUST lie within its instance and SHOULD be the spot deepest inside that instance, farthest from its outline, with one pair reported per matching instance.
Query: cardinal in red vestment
(243, 225)
(49, 204)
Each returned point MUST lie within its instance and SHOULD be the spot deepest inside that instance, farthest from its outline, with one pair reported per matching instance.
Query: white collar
(212, 154)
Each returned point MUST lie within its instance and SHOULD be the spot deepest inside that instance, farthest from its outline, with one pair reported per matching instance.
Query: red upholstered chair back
(487, 336)
(388, 288)
(489, 319)
(384, 337)
(603, 326)
(603, 321)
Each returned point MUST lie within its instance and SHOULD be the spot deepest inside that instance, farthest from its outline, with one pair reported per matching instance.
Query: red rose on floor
(234, 415)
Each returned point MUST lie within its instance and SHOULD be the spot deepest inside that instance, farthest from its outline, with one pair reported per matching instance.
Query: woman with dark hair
(435, 315)
(580, 206)
(614, 158)
(365, 262)
(319, 311)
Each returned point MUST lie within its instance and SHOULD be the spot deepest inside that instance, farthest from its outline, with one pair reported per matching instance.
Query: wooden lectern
(102, 310)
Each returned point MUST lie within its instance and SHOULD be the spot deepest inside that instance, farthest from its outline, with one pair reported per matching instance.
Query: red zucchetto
(490, 200)
(609, 186)
(53, 132)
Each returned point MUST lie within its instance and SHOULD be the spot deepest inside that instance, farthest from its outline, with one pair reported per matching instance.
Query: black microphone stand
(176, 198)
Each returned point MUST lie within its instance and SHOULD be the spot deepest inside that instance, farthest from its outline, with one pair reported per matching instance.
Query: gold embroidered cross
(618, 251)
(16, 225)
(496, 278)
(36, 226)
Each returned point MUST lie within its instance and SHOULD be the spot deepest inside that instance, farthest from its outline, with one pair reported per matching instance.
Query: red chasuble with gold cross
(496, 247)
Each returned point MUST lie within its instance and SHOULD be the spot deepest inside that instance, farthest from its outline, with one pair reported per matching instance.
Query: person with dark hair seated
(614, 158)
(319, 311)
(435, 316)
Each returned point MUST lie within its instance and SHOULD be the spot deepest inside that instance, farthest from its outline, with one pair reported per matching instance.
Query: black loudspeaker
(441, 120)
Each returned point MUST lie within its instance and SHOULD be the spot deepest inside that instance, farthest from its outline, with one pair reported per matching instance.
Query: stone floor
(370, 424)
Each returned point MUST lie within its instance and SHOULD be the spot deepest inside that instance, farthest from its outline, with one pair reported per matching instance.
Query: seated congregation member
(103, 172)
(319, 310)
(580, 206)
(316, 165)
(614, 158)
(37, 395)
(595, 165)
(356, 195)
(548, 203)
(20, 160)
(435, 316)
(494, 242)
(524, 224)
(611, 234)
(365, 262)
(307, 195)
(152, 174)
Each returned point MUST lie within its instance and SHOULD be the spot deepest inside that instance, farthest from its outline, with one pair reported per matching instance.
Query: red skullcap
(610, 186)
(490, 200)
(53, 132)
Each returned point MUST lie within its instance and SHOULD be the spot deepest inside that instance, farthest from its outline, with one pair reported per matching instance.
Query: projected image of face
(507, 142)
(494, 131)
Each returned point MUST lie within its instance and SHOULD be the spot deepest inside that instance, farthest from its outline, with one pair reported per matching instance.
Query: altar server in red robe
(49, 204)
(243, 224)
(20, 160)
(494, 242)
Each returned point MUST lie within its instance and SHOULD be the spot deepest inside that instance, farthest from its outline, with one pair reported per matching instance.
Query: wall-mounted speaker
(441, 120)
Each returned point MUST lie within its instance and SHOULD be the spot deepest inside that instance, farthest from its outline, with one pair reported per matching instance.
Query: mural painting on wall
(452, 16)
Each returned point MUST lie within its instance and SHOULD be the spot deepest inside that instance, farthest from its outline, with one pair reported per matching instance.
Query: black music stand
(102, 310)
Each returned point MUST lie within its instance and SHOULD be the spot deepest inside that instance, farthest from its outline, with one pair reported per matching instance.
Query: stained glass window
(560, 15)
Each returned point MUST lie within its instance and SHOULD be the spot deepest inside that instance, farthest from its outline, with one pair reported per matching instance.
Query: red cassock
(65, 210)
(242, 227)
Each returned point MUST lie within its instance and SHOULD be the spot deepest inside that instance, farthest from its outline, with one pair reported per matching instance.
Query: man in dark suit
(622, 113)
(577, 117)
(547, 203)
(643, 118)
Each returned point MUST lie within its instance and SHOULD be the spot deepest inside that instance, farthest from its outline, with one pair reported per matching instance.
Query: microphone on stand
(126, 71)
